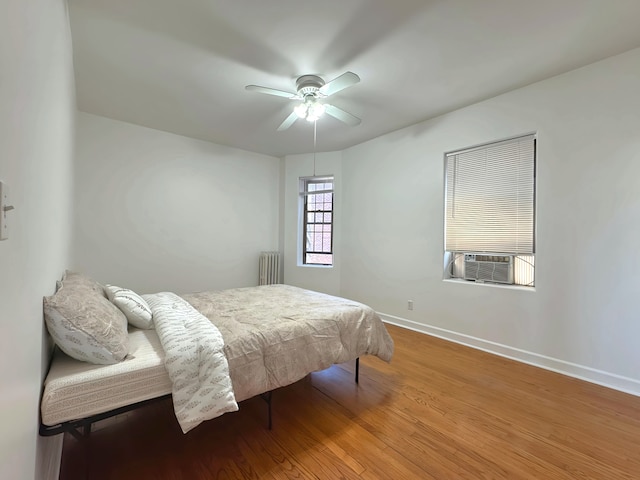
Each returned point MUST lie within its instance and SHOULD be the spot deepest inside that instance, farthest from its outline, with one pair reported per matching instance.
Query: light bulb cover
(316, 109)
(301, 110)
(310, 110)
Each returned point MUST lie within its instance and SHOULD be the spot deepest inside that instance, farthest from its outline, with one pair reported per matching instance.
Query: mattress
(74, 390)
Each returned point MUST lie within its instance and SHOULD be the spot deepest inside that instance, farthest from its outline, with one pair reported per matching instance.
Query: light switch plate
(4, 230)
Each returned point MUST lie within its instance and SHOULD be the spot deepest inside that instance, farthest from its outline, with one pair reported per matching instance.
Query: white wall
(318, 278)
(36, 140)
(157, 211)
(584, 308)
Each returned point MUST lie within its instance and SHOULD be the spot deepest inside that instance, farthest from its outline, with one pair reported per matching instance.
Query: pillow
(79, 279)
(85, 325)
(134, 307)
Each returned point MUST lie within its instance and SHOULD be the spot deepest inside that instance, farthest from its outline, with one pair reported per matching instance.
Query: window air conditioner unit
(488, 268)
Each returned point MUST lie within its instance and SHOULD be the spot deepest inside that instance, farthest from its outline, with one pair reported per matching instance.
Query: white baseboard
(606, 379)
(50, 451)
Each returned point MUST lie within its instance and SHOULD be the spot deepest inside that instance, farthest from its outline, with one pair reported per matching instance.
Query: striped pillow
(134, 307)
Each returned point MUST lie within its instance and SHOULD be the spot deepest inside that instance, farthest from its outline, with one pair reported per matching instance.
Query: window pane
(319, 259)
(326, 242)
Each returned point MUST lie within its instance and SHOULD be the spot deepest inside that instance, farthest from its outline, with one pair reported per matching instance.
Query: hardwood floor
(438, 411)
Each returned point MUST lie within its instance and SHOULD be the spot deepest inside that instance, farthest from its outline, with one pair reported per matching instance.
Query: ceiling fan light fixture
(301, 110)
(309, 110)
(315, 111)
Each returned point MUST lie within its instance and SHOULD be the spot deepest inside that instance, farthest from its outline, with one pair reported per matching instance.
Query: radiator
(269, 268)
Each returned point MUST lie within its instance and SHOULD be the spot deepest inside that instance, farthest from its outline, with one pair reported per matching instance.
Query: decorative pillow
(79, 279)
(85, 325)
(134, 307)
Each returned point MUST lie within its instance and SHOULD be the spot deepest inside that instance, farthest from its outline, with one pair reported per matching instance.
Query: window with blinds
(317, 220)
(490, 210)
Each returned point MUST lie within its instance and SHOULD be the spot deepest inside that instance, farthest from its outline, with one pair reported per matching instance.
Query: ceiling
(181, 66)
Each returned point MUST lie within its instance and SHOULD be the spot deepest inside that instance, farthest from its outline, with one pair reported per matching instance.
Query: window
(490, 212)
(317, 220)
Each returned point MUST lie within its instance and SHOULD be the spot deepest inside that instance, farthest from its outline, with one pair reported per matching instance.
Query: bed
(270, 336)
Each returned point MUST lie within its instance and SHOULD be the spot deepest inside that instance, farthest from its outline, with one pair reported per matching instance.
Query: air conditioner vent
(488, 268)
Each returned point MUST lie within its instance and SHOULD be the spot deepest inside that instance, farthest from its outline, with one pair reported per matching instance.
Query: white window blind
(490, 197)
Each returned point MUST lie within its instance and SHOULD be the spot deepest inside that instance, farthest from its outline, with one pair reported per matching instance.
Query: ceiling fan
(310, 91)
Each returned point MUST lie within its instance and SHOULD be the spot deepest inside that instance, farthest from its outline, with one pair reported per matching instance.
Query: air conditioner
(488, 268)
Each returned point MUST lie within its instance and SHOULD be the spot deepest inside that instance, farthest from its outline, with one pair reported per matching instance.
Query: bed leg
(269, 408)
(82, 434)
(87, 452)
(267, 398)
(357, 368)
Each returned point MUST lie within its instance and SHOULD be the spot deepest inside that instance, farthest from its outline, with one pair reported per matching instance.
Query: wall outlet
(410, 304)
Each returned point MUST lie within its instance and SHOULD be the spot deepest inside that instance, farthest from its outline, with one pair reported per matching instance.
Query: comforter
(194, 359)
(274, 335)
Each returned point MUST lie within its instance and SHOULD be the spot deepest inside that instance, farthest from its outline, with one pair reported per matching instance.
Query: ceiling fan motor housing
(309, 85)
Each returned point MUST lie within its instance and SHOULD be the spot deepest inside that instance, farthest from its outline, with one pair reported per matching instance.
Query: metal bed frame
(81, 428)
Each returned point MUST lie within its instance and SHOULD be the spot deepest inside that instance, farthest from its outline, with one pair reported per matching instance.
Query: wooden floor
(438, 411)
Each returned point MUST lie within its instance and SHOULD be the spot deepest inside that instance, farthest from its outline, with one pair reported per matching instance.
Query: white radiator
(269, 268)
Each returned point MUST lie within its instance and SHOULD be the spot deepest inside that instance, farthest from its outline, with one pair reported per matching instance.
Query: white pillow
(134, 307)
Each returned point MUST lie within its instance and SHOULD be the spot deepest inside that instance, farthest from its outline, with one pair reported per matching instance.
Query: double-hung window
(490, 212)
(317, 220)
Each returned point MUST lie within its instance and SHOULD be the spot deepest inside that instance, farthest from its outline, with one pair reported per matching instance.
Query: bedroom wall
(37, 105)
(156, 211)
(582, 318)
(318, 278)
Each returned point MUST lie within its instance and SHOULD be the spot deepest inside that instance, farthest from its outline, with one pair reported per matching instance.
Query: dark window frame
(305, 219)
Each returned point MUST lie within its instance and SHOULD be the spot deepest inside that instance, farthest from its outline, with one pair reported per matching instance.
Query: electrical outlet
(410, 304)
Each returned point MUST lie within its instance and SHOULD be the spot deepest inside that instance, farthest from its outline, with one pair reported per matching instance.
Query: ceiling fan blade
(271, 91)
(341, 115)
(288, 121)
(340, 83)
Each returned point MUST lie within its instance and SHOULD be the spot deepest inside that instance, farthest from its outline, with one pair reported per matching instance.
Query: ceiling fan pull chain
(315, 125)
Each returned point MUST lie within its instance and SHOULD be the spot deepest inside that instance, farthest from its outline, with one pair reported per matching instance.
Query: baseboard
(606, 379)
(50, 450)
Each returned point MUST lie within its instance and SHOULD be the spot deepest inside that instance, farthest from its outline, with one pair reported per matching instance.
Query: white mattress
(75, 389)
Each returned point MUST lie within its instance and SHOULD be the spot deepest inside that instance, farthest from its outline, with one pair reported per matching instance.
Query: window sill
(306, 265)
(488, 284)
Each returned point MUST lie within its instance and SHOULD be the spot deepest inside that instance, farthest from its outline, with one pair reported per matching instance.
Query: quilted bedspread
(274, 335)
